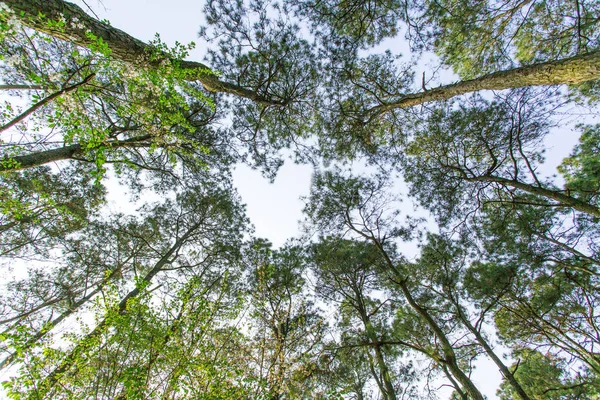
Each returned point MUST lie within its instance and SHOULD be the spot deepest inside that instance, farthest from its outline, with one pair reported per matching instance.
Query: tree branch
(43, 102)
(123, 46)
(567, 71)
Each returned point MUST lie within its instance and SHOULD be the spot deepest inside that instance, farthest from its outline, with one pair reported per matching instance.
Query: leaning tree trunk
(567, 71)
(387, 386)
(53, 377)
(562, 199)
(508, 375)
(126, 48)
(449, 356)
(123, 46)
(70, 152)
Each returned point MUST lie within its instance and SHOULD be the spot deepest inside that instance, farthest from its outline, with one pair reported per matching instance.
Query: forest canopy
(181, 300)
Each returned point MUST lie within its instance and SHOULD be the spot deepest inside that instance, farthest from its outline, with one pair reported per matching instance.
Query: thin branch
(43, 102)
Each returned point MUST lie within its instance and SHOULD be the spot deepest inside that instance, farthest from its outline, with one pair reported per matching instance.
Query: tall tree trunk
(385, 373)
(483, 343)
(123, 46)
(448, 351)
(449, 356)
(567, 71)
(48, 326)
(36, 159)
(555, 195)
(388, 388)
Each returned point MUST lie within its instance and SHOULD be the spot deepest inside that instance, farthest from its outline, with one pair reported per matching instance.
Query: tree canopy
(180, 300)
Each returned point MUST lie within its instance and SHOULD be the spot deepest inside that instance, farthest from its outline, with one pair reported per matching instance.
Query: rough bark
(40, 158)
(567, 71)
(123, 46)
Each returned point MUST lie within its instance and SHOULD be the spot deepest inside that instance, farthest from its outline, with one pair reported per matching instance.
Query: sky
(274, 208)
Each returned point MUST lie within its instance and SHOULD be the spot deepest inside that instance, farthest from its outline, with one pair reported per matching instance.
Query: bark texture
(40, 158)
(568, 71)
(123, 46)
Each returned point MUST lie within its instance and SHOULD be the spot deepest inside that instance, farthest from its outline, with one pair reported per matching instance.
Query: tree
(39, 208)
(544, 376)
(347, 276)
(178, 300)
(88, 107)
(538, 287)
(442, 269)
(514, 32)
(361, 206)
(581, 169)
(178, 346)
(196, 237)
(287, 330)
(128, 49)
(487, 151)
(104, 254)
(473, 38)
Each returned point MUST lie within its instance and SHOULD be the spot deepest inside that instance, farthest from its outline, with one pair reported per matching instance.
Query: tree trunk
(385, 373)
(387, 388)
(567, 71)
(32, 160)
(45, 101)
(21, 87)
(449, 359)
(447, 349)
(563, 199)
(54, 322)
(123, 47)
(480, 339)
(62, 153)
(126, 48)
